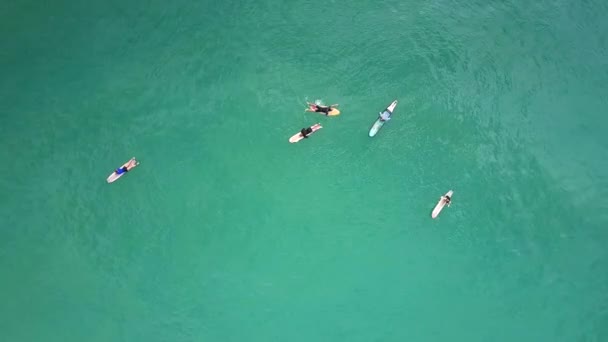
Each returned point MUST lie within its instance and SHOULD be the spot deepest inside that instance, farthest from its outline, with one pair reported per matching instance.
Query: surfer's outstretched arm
(132, 163)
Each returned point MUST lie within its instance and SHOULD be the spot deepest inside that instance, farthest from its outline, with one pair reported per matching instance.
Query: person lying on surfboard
(127, 166)
(320, 109)
(306, 132)
(385, 116)
(447, 200)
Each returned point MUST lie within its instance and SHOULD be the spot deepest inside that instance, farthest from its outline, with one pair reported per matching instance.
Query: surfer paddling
(127, 166)
(443, 201)
(447, 200)
(320, 109)
(304, 133)
(385, 116)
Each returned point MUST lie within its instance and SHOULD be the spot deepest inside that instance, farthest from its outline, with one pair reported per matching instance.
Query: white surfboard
(113, 177)
(439, 207)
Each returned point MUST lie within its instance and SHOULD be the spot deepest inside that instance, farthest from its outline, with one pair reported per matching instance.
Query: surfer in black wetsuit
(448, 200)
(306, 132)
(320, 109)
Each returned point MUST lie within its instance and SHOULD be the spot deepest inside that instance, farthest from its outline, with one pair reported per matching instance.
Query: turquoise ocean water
(226, 232)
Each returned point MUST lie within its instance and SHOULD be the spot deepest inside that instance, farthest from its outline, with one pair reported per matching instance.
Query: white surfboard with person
(443, 201)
